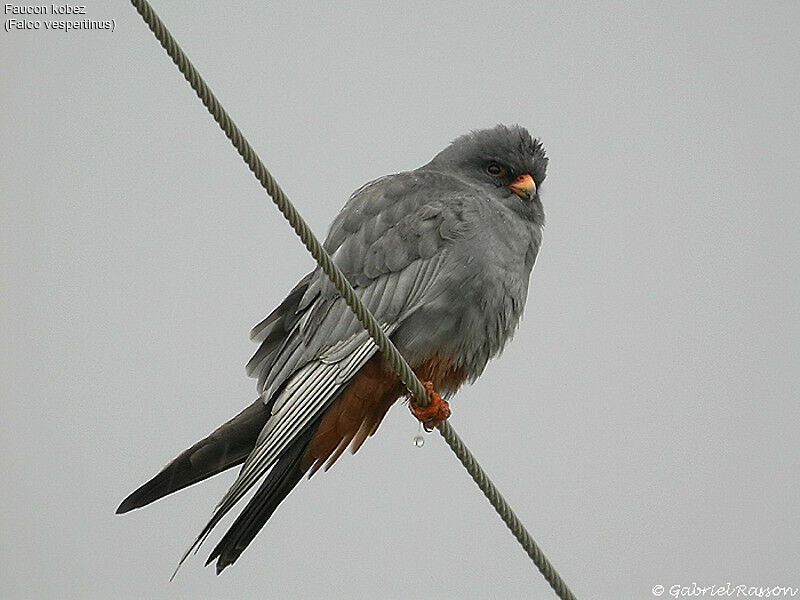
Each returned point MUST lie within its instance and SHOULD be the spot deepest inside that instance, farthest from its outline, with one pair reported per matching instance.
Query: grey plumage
(440, 255)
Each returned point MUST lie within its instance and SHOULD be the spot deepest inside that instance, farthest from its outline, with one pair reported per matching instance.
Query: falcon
(441, 256)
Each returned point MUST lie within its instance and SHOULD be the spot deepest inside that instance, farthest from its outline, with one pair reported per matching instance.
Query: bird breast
(473, 311)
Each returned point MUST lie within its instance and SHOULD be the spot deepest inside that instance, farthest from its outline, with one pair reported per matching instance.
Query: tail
(228, 446)
(286, 474)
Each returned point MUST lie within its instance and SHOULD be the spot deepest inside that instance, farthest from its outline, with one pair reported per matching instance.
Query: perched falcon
(441, 256)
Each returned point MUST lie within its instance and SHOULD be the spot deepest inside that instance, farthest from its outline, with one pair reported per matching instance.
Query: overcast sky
(644, 420)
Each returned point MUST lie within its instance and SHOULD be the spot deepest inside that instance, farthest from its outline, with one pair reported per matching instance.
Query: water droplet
(419, 441)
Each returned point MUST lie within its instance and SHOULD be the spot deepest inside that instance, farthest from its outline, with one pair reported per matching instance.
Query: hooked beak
(523, 186)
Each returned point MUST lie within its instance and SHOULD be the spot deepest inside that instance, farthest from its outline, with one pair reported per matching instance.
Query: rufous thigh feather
(358, 411)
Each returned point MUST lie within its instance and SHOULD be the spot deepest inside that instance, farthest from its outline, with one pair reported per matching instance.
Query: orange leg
(437, 410)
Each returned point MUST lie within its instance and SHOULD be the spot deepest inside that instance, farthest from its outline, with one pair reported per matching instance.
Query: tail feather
(226, 447)
(286, 474)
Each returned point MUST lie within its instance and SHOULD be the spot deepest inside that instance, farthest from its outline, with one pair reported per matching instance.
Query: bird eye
(495, 170)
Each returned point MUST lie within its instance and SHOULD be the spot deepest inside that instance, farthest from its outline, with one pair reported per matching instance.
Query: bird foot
(436, 412)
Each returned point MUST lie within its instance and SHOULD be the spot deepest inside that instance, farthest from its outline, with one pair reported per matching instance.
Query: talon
(437, 410)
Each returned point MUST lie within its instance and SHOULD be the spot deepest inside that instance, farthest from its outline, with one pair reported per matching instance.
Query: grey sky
(644, 420)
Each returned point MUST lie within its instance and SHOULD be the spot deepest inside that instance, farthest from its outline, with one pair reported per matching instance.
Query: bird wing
(391, 242)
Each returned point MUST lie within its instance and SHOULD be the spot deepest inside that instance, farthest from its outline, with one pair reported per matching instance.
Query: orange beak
(523, 186)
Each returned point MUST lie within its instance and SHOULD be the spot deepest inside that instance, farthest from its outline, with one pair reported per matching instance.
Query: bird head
(504, 160)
